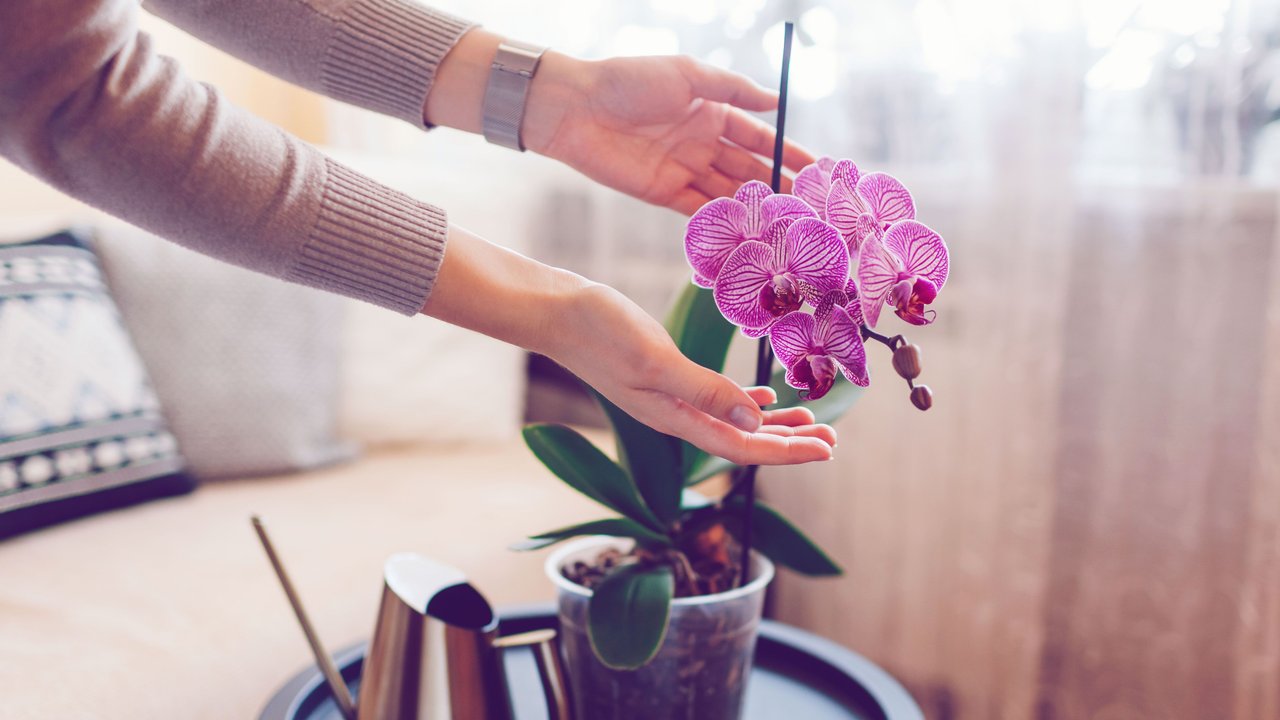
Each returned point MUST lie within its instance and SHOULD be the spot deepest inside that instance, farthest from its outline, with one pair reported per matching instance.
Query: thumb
(720, 85)
(715, 395)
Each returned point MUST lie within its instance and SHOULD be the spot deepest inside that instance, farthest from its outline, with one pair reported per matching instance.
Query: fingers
(763, 395)
(688, 200)
(789, 416)
(757, 137)
(825, 433)
(715, 184)
(719, 85)
(712, 393)
(740, 165)
(739, 447)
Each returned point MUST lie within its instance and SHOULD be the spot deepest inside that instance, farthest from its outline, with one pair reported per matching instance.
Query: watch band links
(507, 92)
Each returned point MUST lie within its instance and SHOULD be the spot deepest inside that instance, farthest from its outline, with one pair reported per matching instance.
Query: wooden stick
(337, 686)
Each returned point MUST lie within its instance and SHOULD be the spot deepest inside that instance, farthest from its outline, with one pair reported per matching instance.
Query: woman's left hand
(669, 130)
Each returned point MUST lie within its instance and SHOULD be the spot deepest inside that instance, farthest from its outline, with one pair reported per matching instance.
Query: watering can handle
(545, 646)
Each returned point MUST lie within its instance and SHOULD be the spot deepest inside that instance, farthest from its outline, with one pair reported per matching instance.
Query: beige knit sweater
(88, 105)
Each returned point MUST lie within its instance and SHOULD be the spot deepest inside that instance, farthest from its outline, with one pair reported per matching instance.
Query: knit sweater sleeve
(90, 107)
(378, 54)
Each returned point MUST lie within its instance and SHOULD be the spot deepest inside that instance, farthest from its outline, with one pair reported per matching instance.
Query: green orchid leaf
(652, 458)
(782, 542)
(583, 467)
(617, 527)
(698, 328)
(628, 614)
(826, 409)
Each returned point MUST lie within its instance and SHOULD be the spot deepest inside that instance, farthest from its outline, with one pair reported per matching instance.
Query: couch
(169, 609)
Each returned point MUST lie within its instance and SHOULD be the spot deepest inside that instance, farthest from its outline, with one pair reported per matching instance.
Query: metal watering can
(436, 654)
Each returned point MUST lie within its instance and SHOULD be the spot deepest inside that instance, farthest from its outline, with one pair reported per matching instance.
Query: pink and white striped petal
(854, 306)
(888, 199)
(778, 207)
(816, 253)
(792, 339)
(843, 341)
(845, 209)
(923, 251)
(775, 236)
(714, 231)
(737, 291)
(812, 184)
(752, 195)
(878, 270)
(845, 170)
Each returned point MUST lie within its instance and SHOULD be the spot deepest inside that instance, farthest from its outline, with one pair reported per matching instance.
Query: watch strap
(507, 92)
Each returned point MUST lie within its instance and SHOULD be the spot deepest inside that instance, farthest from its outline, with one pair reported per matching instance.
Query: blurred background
(1087, 524)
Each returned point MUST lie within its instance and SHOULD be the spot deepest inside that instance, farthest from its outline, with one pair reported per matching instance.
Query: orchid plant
(808, 274)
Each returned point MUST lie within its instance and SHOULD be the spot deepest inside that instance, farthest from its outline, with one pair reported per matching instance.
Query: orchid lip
(781, 295)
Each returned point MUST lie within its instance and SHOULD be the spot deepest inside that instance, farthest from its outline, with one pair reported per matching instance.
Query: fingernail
(745, 418)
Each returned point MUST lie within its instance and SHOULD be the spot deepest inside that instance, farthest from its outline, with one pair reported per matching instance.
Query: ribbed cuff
(385, 53)
(372, 243)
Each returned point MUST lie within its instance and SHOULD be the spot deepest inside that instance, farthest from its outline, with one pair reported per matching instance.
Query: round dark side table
(797, 675)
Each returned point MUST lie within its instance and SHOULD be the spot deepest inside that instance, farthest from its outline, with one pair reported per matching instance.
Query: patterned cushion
(80, 427)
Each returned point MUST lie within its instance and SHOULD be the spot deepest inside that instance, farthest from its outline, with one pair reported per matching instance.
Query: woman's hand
(617, 348)
(669, 130)
(621, 351)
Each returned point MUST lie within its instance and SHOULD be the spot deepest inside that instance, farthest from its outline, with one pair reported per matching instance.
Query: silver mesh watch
(507, 92)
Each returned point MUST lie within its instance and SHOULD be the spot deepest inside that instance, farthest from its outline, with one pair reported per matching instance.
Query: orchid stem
(889, 342)
(764, 352)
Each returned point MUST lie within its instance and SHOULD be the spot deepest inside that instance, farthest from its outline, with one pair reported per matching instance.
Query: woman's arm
(619, 350)
(669, 130)
(378, 54)
(89, 106)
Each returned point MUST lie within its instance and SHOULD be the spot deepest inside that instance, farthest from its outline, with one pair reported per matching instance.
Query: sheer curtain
(1087, 524)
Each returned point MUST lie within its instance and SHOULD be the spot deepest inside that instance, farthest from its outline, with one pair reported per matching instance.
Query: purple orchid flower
(813, 347)
(720, 226)
(763, 281)
(907, 269)
(861, 206)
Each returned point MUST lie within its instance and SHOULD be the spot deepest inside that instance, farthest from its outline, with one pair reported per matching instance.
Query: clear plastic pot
(699, 673)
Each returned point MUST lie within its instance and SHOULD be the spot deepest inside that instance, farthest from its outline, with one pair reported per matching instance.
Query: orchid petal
(816, 253)
(878, 271)
(854, 306)
(701, 281)
(843, 341)
(775, 235)
(737, 291)
(845, 208)
(887, 197)
(714, 231)
(923, 251)
(777, 207)
(752, 195)
(757, 333)
(812, 184)
(792, 339)
(845, 170)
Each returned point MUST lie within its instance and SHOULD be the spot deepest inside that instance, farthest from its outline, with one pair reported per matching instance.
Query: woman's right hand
(621, 351)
